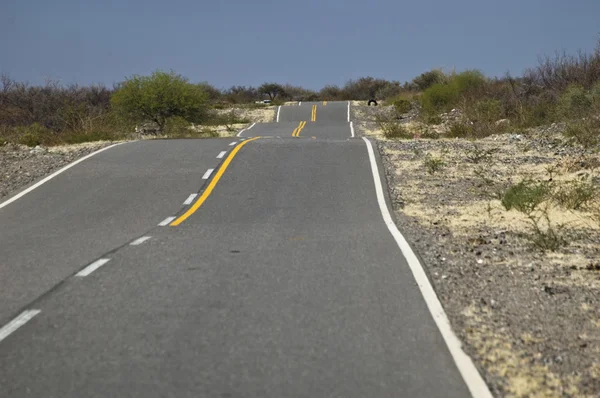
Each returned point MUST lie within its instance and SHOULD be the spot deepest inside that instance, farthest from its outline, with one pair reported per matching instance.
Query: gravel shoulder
(530, 319)
(21, 166)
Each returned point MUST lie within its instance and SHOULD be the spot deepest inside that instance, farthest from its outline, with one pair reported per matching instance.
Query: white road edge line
(352, 128)
(139, 241)
(16, 323)
(221, 154)
(465, 365)
(51, 176)
(348, 111)
(246, 129)
(233, 143)
(278, 110)
(166, 221)
(190, 199)
(92, 267)
(207, 174)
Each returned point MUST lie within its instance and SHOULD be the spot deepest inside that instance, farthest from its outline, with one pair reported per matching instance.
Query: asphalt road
(284, 282)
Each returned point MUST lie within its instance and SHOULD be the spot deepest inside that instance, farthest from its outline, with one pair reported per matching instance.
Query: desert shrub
(159, 97)
(364, 88)
(563, 70)
(468, 82)
(526, 196)
(430, 133)
(433, 164)
(401, 104)
(585, 132)
(477, 155)
(392, 90)
(34, 135)
(575, 195)
(439, 98)
(428, 79)
(460, 130)
(391, 127)
(575, 102)
(532, 199)
(488, 110)
(78, 137)
(545, 234)
(177, 126)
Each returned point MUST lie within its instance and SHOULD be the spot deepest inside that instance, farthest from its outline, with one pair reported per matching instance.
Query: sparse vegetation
(433, 164)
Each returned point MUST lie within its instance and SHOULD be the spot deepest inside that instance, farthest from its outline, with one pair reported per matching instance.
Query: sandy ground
(530, 319)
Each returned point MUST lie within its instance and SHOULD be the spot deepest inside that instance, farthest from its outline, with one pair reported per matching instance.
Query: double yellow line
(298, 129)
(313, 117)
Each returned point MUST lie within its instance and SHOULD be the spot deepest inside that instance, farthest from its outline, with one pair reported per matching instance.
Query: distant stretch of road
(266, 265)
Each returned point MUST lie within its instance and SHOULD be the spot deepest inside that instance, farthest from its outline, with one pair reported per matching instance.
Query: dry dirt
(530, 319)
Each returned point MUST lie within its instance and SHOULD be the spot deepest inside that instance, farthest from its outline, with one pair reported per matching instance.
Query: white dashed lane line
(221, 154)
(139, 241)
(233, 143)
(93, 267)
(16, 323)
(190, 199)
(166, 221)
(206, 175)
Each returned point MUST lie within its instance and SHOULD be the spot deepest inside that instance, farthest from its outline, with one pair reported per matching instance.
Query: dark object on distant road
(372, 101)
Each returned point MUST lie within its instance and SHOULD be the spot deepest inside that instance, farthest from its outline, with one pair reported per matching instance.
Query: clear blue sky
(304, 42)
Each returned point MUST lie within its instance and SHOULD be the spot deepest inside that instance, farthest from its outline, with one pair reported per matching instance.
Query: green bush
(575, 102)
(442, 97)
(178, 127)
(428, 79)
(433, 164)
(402, 105)
(468, 82)
(159, 97)
(34, 135)
(439, 98)
(460, 130)
(584, 132)
(488, 110)
(576, 195)
(525, 196)
(90, 136)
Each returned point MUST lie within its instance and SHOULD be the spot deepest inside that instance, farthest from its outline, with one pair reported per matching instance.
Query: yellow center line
(212, 184)
(314, 114)
(324, 102)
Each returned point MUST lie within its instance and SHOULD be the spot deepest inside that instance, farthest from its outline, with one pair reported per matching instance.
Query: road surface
(277, 277)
